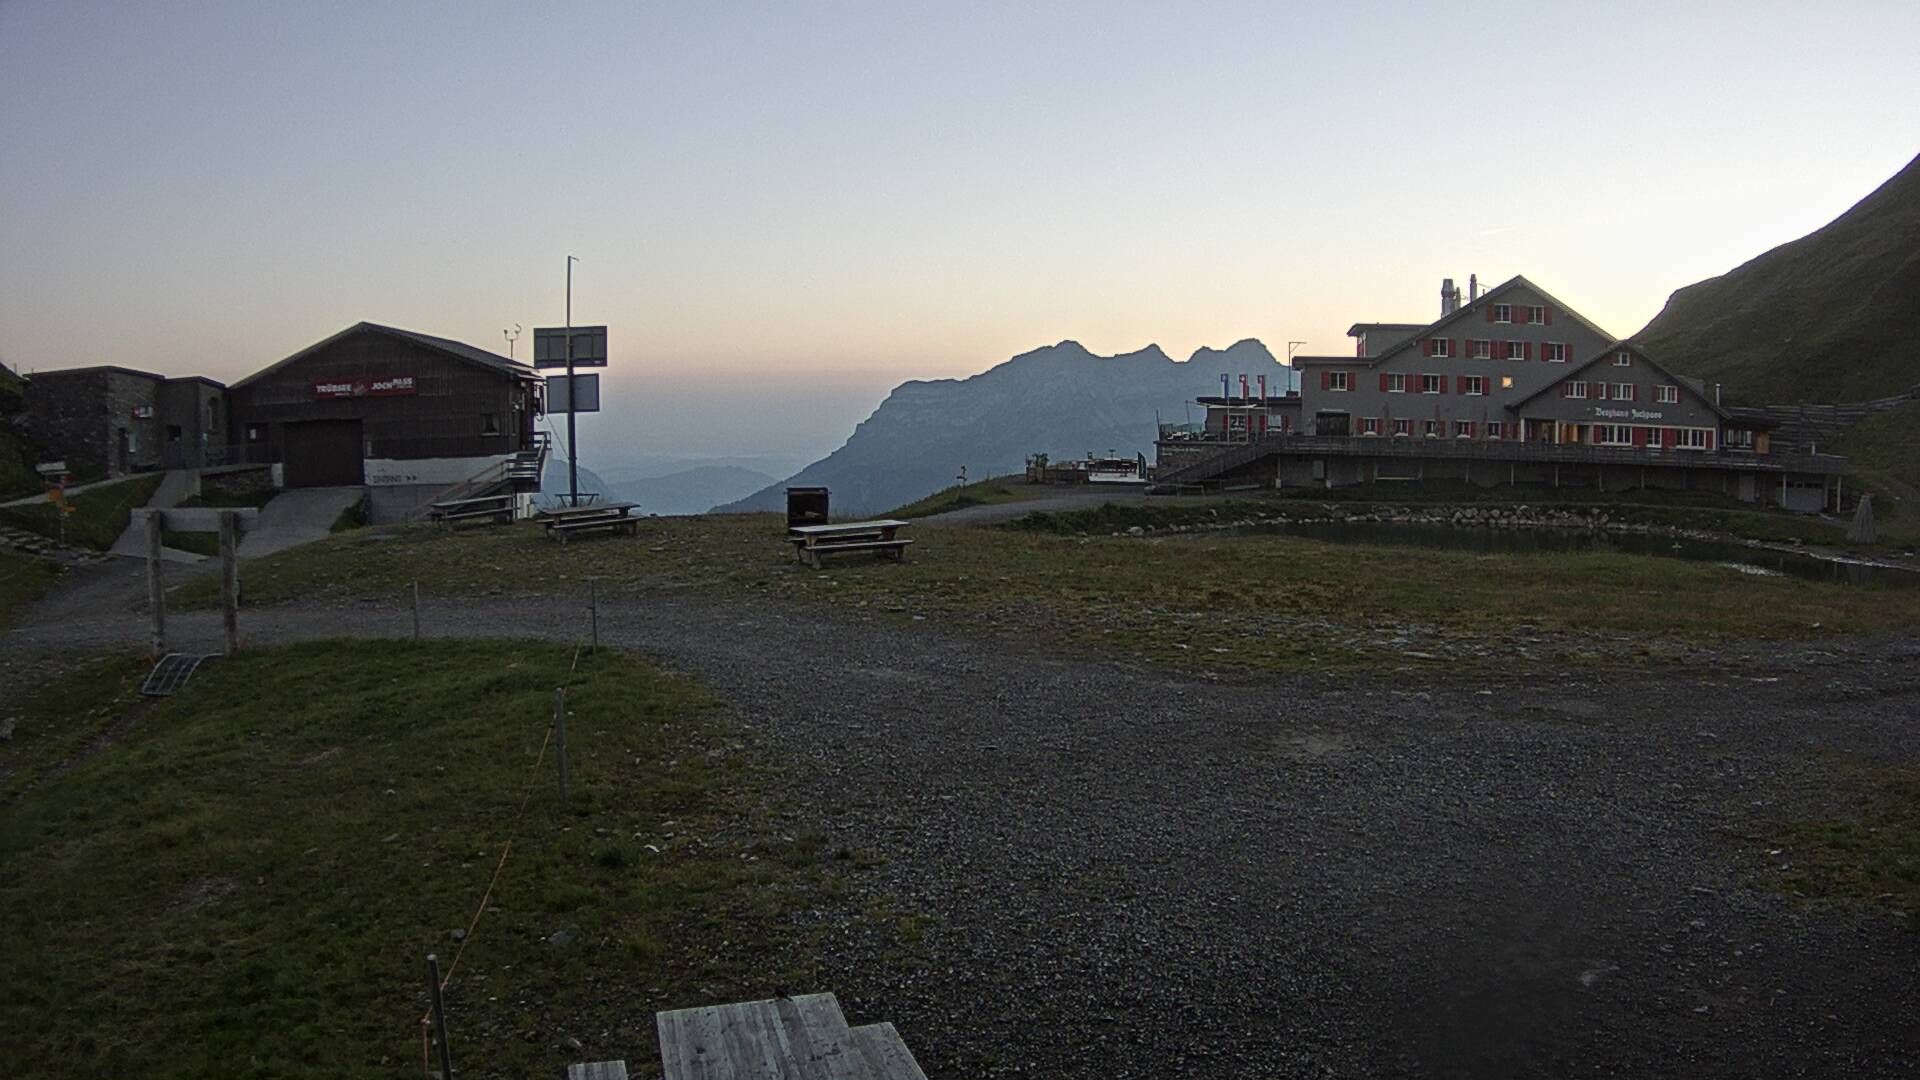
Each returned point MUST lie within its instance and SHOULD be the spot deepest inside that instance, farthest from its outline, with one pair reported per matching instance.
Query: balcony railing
(1514, 450)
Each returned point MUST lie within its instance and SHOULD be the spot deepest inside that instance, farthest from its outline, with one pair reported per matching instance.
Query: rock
(561, 937)
(457, 934)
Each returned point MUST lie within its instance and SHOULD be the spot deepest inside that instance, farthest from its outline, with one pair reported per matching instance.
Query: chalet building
(110, 421)
(1511, 386)
(406, 414)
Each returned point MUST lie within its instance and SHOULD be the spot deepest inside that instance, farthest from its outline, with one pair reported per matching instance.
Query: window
(1396, 384)
(1463, 429)
(1433, 384)
(1576, 390)
(1442, 347)
(1554, 352)
(1339, 380)
(1502, 313)
(1493, 429)
(1516, 350)
(1623, 358)
(1623, 392)
(1691, 438)
(1506, 382)
(1369, 425)
(1475, 384)
(489, 423)
(1479, 349)
(1612, 435)
(1433, 429)
(1403, 427)
(1668, 395)
(1537, 316)
(1738, 437)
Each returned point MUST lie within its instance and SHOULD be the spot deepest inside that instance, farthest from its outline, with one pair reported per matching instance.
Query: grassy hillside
(1885, 454)
(1830, 317)
(960, 496)
(245, 879)
(100, 515)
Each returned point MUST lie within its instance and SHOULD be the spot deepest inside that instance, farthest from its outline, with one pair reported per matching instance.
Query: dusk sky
(832, 198)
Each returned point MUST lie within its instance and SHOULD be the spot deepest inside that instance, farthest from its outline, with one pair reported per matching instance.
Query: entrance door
(323, 453)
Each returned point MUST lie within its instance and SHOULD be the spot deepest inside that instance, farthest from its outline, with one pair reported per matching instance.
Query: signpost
(570, 347)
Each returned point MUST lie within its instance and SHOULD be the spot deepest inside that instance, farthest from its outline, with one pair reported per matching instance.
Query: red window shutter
(1710, 434)
(1566, 389)
(1529, 350)
(1460, 384)
(1639, 436)
(1489, 312)
(1635, 394)
(1442, 380)
(1326, 379)
(1383, 382)
(1453, 347)
(1426, 346)
(1549, 313)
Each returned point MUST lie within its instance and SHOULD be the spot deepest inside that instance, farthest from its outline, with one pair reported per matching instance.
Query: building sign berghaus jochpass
(388, 386)
(1601, 412)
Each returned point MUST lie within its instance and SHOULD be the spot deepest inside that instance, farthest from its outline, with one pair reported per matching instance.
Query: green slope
(1884, 451)
(1830, 317)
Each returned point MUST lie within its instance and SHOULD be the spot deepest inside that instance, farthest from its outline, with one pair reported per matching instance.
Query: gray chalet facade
(1511, 386)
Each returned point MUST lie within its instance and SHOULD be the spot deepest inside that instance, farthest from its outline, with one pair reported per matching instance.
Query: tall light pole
(573, 437)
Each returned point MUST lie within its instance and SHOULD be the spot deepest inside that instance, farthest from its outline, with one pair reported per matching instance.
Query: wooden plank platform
(798, 1038)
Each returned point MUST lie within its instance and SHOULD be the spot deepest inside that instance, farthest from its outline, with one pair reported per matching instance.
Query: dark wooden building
(378, 405)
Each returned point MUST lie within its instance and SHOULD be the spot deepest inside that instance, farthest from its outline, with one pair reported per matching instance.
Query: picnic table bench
(812, 541)
(502, 507)
(564, 521)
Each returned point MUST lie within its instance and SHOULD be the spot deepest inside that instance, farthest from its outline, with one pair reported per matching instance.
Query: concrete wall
(82, 416)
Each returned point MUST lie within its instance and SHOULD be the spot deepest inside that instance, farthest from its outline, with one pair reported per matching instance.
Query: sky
(783, 210)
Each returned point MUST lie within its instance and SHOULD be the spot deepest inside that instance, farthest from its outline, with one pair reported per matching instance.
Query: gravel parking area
(1120, 871)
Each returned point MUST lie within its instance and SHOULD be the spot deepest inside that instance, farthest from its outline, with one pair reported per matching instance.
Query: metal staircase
(1231, 457)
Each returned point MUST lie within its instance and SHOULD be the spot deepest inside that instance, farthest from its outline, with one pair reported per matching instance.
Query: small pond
(1759, 560)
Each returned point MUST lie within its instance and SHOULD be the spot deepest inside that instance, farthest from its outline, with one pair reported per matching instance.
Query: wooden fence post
(439, 1008)
(156, 587)
(416, 611)
(593, 610)
(560, 736)
(230, 578)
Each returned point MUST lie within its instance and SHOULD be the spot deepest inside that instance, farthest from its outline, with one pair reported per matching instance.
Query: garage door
(323, 453)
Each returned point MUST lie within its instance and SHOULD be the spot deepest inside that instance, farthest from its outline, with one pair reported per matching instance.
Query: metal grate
(172, 673)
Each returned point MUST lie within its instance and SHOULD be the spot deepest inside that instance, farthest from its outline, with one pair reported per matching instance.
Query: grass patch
(100, 515)
(200, 543)
(961, 496)
(23, 579)
(231, 500)
(1263, 601)
(248, 879)
(1872, 855)
(1884, 452)
(353, 517)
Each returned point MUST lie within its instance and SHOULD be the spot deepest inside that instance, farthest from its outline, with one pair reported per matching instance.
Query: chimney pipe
(1473, 288)
(1449, 297)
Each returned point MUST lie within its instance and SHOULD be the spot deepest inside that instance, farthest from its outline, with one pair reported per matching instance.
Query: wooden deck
(799, 1038)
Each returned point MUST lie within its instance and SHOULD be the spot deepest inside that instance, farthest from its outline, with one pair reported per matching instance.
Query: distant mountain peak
(1247, 351)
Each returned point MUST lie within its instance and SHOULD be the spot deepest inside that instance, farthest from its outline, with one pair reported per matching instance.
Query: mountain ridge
(1829, 317)
(1062, 400)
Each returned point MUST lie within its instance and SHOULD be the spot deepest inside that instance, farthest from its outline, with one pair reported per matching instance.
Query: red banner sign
(386, 386)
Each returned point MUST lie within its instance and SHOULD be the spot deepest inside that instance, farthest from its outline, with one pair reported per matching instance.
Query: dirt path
(1127, 872)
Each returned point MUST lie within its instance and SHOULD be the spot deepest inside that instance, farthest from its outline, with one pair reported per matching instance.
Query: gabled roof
(1359, 326)
(456, 349)
(95, 369)
(1617, 347)
(1486, 298)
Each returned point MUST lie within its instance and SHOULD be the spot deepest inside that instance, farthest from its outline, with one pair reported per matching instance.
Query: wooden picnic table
(564, 521)
(812, 541)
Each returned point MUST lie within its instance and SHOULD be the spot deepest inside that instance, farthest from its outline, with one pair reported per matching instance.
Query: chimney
(1449, 297)
(1473, 288)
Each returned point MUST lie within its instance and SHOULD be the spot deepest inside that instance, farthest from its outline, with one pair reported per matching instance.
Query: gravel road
(1129, 872)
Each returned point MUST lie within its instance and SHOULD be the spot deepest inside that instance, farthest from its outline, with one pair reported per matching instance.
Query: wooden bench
(613, 517)
(503, 507)
(810, 542)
